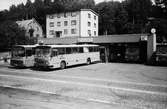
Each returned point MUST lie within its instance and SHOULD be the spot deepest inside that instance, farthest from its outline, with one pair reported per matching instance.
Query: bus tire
(88, 61)
(63, 65)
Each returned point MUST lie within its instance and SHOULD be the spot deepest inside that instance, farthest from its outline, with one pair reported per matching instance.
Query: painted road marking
(88, 84)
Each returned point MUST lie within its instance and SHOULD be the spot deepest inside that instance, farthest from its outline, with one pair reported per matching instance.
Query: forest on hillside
(126, 17)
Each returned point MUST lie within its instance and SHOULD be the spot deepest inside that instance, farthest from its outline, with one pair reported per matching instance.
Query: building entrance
(143, 51)
(116, 53)
(102, 54)
(58, 33)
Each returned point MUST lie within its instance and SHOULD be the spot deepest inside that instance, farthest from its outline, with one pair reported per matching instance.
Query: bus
(22, 55)
(61, 56)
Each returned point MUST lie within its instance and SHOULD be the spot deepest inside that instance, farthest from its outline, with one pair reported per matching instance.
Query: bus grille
(16, 62)
(39, 61)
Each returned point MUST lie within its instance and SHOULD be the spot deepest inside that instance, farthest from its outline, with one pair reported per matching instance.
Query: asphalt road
(11, 98)
(97, 86)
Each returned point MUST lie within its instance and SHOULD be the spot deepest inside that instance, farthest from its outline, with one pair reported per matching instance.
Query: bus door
(54, 57)
(29, 57)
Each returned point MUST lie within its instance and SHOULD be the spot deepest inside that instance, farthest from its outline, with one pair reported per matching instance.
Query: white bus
(61, 56)
(22, 55)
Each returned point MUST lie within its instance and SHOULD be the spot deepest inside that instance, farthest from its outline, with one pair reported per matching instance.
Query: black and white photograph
(83, 54)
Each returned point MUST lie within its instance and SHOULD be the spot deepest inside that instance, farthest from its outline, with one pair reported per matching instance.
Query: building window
(73, 14)
(74, 50)
(89, 24)
(58, 23)
(37, 35)
(65, 15)
(68, 51)
(73, 31)
(89, 32)
(94, 25)
(51, 17)
(51, 24)
(58, 15)
(37, 29)
(58, 33)
(65, 31)
(73, 22)
(95, 17)
(94, 33)
(89, 15)
(51, 32)
(65, 23)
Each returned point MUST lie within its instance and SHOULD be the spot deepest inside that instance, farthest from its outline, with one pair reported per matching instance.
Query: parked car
(159, 59)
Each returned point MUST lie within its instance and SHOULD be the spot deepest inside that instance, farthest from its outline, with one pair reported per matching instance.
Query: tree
(158, 20)
(3, 15)
(162, 4)
(12, 34)
(30, 10)
(112, 18)
(73, 5)
(138, 12)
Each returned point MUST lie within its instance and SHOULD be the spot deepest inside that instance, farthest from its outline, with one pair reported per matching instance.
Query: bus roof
(25, 46)
(71, 45)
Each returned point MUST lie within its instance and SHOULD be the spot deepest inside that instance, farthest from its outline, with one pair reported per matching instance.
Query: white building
(31, 25)
(83, 23)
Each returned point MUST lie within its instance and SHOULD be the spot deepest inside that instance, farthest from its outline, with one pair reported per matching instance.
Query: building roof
(26, 46)
(89, 10)
(125, 38)
(25, 23)
(67, 45)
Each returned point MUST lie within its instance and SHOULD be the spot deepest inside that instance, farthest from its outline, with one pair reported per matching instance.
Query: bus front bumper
(37, 65)
(17, 63)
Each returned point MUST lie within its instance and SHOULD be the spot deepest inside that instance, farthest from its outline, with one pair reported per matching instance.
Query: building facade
(32, 27)
(82, 23)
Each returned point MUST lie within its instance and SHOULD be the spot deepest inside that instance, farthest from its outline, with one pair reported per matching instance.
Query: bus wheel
(88, 61)
(62, 65)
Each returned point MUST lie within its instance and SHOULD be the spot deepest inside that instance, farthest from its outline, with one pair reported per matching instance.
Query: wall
(151, 46)
(37, 29)
(69, 18)
(84, 23)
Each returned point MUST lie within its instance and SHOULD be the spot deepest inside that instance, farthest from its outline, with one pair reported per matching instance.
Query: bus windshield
(18, 52)
(42, 51)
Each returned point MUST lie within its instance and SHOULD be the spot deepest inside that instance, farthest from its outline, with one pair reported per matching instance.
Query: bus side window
(54, 53)
(85, 49)
(96, 49)
(75, 50)
(91, 49)
(33, 51)
(28, 52)
(68, 51)
(61, 51)
(80, 49)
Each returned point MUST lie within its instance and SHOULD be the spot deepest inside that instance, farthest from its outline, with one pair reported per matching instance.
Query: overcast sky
(5, 4)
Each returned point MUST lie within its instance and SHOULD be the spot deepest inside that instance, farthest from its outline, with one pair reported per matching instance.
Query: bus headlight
(47, 62)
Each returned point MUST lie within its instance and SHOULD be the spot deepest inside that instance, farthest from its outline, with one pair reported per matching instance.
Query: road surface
(96, 86)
